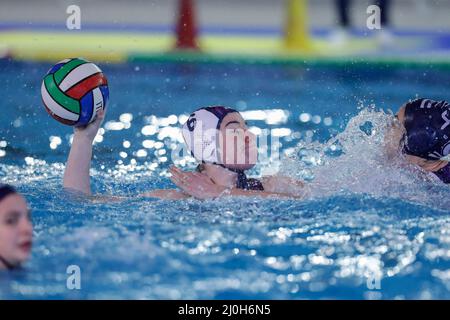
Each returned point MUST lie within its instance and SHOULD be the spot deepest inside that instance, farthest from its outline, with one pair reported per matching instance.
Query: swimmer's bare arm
(76, 175)
(201, 187)
(172, 194)
(256, 193)
(284, 185)
(169, 194)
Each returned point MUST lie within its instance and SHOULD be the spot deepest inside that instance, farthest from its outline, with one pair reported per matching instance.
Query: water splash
(366, 217)
(356, 161)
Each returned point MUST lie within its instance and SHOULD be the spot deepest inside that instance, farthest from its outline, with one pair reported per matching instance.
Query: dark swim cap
(6, 190)
(427, 124)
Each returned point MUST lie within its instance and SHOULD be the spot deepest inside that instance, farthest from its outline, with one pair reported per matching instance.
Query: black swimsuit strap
(242, 182)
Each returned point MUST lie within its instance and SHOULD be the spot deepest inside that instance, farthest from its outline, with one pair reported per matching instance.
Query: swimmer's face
(237, 144)
(15, 229)
(401, 115)
(394, 135)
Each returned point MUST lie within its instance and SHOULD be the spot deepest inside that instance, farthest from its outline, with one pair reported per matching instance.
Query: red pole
(186, 27)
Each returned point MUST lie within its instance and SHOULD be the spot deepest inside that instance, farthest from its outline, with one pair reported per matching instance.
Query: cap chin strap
(7, 264)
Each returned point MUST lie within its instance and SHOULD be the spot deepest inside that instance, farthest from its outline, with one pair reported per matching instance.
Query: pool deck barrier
(112, 42)
(46, 44)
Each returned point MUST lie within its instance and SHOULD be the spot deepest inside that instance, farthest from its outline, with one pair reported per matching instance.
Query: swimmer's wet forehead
(14, 206)
(233, 118)
(231, 122)
(14, 202)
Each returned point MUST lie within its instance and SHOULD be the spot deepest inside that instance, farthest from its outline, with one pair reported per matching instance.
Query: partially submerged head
(427, 125)
(426, 132)
(15, 228)
(219, 135)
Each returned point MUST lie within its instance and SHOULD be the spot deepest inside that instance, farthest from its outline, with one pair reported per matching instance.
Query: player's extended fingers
(178, 182)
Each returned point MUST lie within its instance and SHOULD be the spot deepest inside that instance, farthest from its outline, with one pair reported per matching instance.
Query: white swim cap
(201, 132)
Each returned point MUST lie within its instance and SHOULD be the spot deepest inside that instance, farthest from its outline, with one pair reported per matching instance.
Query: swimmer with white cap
(210, 134)
(219, 139)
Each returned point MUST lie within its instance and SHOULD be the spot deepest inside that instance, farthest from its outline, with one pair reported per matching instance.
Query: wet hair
(6, 190)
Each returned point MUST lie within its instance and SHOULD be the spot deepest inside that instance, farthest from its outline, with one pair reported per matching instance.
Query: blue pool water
(369, 228)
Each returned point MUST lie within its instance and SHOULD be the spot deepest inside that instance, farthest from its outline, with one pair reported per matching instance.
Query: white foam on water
(356, 161)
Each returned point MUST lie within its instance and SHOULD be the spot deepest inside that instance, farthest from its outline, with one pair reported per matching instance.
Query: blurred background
(118, 30)
(406, 14)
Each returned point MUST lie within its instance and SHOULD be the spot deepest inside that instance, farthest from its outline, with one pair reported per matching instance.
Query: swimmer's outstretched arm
(76, 175)
(168, 194)
(285, 185)
(201, 187)
(172, 194)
